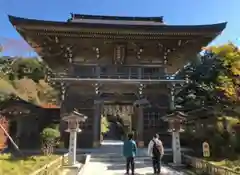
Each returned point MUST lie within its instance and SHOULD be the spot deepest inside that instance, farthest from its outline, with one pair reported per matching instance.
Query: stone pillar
(97, 123)
(72, 148)
(177, 157)
(140, 126)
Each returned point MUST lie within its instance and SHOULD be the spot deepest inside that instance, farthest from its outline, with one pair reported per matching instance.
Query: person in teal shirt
(129, 152)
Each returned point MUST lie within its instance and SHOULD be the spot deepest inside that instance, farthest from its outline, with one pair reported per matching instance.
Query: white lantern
(73, 121)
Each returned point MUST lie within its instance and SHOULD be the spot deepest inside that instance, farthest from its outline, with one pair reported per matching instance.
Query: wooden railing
(117, 72)
(53, 168)
(207, 167)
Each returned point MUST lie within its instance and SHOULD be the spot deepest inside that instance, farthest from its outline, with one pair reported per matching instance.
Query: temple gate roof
(82, 33)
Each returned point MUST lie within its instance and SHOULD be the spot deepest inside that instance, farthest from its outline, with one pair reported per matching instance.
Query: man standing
(129, 152)
(156, 151)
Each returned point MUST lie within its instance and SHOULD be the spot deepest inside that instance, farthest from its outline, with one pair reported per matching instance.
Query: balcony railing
(125, 73)
(118, 72)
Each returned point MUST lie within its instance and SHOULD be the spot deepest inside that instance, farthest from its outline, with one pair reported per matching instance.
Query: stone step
(117, 149)
(143, 159)
(118, 158)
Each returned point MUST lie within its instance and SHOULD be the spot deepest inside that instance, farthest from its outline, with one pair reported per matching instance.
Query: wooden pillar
(63, 125)
(172, 97)
(140, 126)
(139, 116)
(97, 123)
(64, 137)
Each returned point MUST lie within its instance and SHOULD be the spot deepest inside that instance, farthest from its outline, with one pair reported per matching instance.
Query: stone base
(96, 144)
(176, 164)
(76, 165)
(73, 169)
(140, 144)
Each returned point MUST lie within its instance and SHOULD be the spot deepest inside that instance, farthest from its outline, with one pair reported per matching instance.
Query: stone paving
(108, 160)
(117, 168)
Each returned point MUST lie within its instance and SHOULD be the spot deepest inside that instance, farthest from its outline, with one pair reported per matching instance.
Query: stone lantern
(175, 122)
(73, 119)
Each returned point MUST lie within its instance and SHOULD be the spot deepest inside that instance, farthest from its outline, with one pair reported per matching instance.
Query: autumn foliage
(229, 71)
(25, 78)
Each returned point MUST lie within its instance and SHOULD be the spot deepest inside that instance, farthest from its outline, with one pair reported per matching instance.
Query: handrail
(118, 76)
(113, 71)
(52, 167)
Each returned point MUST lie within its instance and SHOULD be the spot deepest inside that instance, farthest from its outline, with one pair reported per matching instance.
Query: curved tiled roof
(93, 27)
(211, 28)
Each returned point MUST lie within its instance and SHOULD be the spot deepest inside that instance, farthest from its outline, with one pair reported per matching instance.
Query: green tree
(214, 78)
(214, 85)
(49, 139)
(30, 68)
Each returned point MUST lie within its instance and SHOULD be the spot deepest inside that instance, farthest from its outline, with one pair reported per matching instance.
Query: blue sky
(174, 12)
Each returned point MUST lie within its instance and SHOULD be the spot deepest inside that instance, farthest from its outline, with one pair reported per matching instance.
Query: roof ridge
(109, 17)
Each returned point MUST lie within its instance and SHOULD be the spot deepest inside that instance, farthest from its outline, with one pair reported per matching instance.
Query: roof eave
(212, 28)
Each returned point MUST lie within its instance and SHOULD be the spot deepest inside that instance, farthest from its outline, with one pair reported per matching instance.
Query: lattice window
(84, 71)
(134, 72)
(153, 72)
(152, 119)
(103, 70)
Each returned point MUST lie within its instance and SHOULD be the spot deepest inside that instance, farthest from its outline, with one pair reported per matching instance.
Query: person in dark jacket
(129, 152)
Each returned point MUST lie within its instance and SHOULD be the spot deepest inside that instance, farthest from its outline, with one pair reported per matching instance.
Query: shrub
(104, 125)
(49, 138)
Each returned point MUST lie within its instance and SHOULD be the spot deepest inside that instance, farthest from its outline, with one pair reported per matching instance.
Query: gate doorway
(118, 120)
(115, 128)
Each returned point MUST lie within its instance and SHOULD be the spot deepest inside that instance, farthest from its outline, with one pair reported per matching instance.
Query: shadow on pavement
(116, 167)
(122, 166)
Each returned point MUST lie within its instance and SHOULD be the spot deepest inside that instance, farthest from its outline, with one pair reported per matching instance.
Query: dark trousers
(156, 161)
(130, 162)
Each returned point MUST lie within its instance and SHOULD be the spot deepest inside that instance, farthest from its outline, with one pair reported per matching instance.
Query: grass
(11, 166)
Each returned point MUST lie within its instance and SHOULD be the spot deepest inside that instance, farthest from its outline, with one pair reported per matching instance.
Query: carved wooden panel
(119, 54)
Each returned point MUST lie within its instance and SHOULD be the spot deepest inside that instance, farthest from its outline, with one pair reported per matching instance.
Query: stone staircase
(115, 162)
(108, 160)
